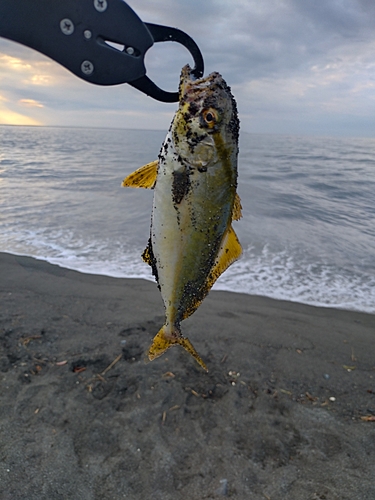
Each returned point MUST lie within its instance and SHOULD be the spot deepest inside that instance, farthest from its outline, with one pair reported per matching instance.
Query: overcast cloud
(295, 66)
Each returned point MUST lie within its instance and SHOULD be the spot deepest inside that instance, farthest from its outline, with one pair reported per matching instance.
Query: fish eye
(210, 116)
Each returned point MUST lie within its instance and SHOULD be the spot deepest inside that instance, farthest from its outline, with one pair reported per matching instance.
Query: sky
(295, 67)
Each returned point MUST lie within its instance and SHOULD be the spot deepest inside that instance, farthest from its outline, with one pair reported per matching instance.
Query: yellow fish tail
(162, 342)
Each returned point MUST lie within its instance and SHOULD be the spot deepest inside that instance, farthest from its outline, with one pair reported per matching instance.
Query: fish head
(206, 117)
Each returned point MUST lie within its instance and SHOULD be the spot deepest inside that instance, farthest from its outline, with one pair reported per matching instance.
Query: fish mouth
(188, 74)
(189, 83)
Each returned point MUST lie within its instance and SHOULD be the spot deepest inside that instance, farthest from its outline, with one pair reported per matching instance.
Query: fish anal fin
(237, 208)
(162, 342)
(149, 257)
(144, 177)
(148, 254)
(230, 250)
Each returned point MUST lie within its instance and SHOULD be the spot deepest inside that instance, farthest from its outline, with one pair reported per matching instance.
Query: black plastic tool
(101, 41)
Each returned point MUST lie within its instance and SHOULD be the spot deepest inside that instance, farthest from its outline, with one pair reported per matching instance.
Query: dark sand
(260, 425)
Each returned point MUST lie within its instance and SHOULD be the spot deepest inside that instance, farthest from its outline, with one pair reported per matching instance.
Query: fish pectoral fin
(230, 250)
(162, 342)
(237, 208)
(144, 177)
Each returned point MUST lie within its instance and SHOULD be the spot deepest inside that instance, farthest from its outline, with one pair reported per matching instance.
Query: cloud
(13, 63)
(294, 66)
(30, 103)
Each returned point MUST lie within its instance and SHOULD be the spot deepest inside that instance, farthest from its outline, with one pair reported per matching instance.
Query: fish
(192, 241)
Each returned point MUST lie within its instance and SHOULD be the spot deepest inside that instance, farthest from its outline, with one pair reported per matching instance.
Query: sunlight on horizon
(8, 117)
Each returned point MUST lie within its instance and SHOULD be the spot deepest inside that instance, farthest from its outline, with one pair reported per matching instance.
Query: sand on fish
(286, 411)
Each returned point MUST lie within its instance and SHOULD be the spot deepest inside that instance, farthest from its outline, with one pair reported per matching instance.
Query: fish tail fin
(163, 342)
(188, 346)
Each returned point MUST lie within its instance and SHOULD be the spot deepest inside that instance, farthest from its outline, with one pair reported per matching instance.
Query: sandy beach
(286, 411)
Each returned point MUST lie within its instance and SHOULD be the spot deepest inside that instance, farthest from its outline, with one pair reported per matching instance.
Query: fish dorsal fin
(237, 208)
(144, 177)
(229, 251)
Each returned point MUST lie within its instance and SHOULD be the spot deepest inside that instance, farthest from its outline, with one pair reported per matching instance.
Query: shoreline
(214, 290)
(287, 409)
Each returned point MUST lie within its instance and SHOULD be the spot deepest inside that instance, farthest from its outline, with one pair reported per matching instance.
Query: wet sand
(286, 411)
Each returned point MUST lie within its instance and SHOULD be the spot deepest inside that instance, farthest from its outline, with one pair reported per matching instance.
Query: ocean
(307, 231)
